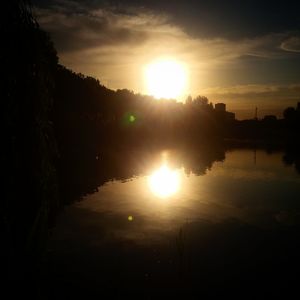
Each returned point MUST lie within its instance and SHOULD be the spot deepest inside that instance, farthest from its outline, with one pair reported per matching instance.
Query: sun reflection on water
(164, 182)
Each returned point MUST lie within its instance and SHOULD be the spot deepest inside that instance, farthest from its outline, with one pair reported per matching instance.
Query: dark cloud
(76, 25)
(72, 31)
(228, 19)
(215, 18)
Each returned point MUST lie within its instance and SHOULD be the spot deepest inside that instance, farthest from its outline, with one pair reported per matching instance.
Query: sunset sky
(242, 53)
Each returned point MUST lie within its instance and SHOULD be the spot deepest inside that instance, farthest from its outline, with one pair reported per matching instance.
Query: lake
(192, 223)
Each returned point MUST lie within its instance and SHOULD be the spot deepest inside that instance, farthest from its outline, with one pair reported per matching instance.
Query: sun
(164, 182)
(166, 78)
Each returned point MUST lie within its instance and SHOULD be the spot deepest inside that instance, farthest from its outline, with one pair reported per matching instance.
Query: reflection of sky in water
(265, 194)
(235, 228)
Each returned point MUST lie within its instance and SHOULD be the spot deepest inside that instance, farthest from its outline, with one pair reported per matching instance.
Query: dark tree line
(90, 115)
(89, 106)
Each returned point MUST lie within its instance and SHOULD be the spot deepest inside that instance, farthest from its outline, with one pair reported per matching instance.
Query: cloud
(75, 26)
(291, 44)
(252, 89)
(78, 31)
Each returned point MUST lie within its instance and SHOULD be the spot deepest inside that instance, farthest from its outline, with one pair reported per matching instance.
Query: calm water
(203, 225)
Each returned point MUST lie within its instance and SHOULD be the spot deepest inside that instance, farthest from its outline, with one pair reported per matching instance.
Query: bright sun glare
(166, 79)
(164, 182)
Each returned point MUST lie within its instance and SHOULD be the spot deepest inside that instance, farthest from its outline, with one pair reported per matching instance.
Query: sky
(243, 53)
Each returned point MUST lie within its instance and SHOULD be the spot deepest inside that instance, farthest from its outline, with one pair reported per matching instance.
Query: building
(230, 116)
(222, 114)
(220, 107)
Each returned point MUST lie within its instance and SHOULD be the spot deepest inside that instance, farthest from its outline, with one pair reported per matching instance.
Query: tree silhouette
(289, 113)
(29, 148)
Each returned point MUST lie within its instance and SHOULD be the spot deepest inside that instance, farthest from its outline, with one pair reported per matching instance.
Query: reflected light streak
(164, 182)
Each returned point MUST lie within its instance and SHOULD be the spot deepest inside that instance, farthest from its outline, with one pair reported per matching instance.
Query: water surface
(227, 223)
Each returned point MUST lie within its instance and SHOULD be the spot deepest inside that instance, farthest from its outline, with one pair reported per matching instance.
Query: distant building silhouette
(230, 116)
(255, 114)
(220, 107)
